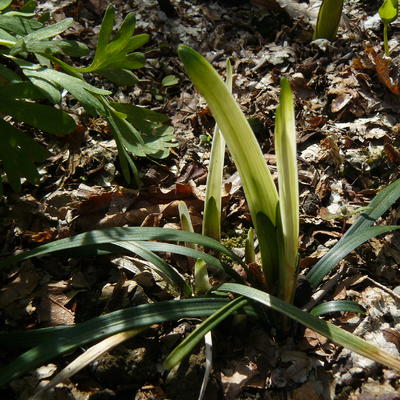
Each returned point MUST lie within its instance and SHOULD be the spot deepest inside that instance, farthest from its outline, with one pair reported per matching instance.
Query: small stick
(384, 288)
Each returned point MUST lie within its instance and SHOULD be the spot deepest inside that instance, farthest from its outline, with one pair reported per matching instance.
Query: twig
(384, 288)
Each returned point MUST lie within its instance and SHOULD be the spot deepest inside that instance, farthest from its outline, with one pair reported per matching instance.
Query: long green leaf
(184, 348)
(212, 202)
(332, 332)
(341, 250)
(328, 20)
(258, 185)
(162, 267)
(182, 250)
(336, 306)
(97, 237)
(286, 156)
(98, 328)
(376, 208)
(88, 357)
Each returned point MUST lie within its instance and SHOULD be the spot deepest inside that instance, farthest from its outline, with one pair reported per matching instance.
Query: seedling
(388, 12)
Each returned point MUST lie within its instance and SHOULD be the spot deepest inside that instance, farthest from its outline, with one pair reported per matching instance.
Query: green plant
(388, 12)
(328, 19)
(272, 228)
(30, 50)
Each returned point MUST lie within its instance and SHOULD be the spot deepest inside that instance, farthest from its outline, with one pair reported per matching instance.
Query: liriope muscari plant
(275, 218)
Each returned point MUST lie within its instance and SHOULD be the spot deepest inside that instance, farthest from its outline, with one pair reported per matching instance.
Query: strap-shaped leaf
(332, 332)
(94, 238)
(162, 267)
(360, 229)
(336, 306)
(341, 250)
(67, 339)
(328, 20)
(376, 208)
(258, 185)
(184, 348)
(286, 157)
(212, 202)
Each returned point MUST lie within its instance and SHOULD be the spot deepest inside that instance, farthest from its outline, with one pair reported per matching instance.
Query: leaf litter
(347, 117)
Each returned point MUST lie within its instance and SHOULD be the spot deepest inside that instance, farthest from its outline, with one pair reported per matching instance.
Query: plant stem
(385, 39)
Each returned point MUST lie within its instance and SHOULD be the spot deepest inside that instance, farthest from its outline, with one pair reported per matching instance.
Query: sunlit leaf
(328, 20)
(258, 185)
(286, 157)
(332, 332)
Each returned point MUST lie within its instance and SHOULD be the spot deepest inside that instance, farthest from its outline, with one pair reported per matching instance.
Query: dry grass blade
(87, 357)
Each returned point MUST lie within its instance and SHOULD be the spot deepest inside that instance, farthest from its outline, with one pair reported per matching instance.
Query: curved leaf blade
(162, 267)
(97, 237)
(212, 203)
(342, 249)
(98, 328)
(256, 178)
(376, 208)
(332, 332)
(337, 306)
(182, 350)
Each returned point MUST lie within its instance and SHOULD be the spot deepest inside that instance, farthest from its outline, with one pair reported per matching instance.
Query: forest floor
(348, 136)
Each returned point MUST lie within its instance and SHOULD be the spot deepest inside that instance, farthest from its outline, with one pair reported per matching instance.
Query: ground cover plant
(206, 285)
(30, 80)
(276, 223)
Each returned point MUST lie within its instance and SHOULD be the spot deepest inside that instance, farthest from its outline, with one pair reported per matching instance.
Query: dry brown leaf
(21, 287)
(313, 338)
(52, 310)
(307, 391)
